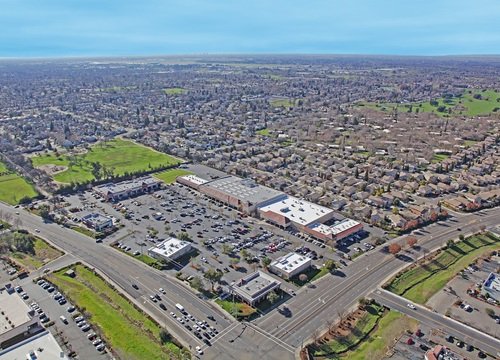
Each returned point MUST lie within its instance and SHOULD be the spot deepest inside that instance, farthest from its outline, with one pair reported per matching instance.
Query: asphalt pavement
(435, 320)
(273, 335)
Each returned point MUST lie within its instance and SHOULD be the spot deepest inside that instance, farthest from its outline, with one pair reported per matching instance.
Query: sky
(78, 28)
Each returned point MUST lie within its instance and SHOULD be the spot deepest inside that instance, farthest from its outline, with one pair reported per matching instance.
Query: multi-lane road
(434, 320)
(273, 336)
(312, 308)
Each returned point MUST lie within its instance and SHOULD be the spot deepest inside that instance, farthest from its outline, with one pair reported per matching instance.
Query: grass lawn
(390, 326)
(287, 103)
(311, 273)
(469, 143)
(263, 132)
(242, 310)
(3, 168)
(490, 100)
(83, 230)
(169, 176)
(464, 105)
(118, 155)
(14, 187)
(363, 327)
(174, 91)
(437, 158)
(127, 330)
(44, 253)
(421, 282)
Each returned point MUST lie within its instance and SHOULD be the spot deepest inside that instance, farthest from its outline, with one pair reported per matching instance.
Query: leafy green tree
(213, 276)
(272, 297)
(226, 249)
(330, 264)
(164, 336)
(265, 262)
(197, 283)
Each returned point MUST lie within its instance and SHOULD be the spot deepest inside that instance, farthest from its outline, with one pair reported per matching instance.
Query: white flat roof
(170, 247)
(194, 179)
(299, 211)
(492, 282)
(14, 308)
(244, 189)
(127, 185)
(336, 229)
(51, 349)
(254, 285)
(290, 262)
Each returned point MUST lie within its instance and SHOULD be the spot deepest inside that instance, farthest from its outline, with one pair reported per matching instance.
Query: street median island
(129, 332)
(420, 281)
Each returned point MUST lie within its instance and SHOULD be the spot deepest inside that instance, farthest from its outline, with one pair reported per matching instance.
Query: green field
(169, 176)
(263, 132)
(3, 168)
(286, 103)
(13, 187)
(43, 253)
(363, 327)
(437, 158)
(463, 105)
(118, 156)
(174, 91)
(420, 283)
(375, 347)
(127, 330)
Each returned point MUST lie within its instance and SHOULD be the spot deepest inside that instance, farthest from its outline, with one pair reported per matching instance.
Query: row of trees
(17, 242)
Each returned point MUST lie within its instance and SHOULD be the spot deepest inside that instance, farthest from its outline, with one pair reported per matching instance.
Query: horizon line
(235, 54)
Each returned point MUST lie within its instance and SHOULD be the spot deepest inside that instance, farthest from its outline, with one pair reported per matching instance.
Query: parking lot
(222, 238)
(456, 300)
(45, 302)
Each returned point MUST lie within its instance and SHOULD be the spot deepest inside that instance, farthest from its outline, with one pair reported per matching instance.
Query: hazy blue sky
(154, 27)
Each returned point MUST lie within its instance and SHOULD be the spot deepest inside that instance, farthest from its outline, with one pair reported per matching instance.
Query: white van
(63, 319)
(180, 308)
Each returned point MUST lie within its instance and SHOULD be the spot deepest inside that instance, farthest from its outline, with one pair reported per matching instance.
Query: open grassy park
(174, 91)
(420, 282)
(169, 176)
(263, 132)
(127, 330)
(13, 187)
(473, 103)
(116, 156)
(286, 103)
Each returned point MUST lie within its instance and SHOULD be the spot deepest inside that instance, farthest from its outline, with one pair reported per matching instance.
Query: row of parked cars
(78, 319)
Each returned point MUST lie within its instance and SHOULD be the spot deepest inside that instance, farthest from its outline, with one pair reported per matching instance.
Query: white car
(411, 306)
(199, 350)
